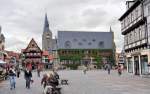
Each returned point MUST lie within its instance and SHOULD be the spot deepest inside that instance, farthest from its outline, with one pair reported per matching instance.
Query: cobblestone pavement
(94, 82)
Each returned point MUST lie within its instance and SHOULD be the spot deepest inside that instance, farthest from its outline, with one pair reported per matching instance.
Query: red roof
(13, 54)
(45, 53)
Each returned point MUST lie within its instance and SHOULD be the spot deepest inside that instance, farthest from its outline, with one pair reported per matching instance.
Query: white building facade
(135, 26)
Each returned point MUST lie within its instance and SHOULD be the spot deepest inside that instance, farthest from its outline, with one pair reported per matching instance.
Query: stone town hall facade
(79, 47)
(135, 26)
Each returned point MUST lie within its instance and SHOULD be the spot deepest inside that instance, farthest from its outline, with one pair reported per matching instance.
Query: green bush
(72, 66)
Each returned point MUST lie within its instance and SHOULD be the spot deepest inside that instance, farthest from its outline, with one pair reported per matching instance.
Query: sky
(22, 20)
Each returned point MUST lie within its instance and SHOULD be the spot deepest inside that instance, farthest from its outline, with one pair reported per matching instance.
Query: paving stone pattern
(94, 82)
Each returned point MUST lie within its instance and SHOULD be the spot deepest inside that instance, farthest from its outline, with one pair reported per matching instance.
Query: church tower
(47, 36)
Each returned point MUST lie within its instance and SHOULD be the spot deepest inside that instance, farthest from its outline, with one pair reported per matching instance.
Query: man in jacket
(28, 76)
(12, 78)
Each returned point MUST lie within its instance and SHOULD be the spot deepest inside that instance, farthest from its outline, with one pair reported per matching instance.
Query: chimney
(129, 3)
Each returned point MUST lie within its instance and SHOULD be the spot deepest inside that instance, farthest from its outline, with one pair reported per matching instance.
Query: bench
(64, 82)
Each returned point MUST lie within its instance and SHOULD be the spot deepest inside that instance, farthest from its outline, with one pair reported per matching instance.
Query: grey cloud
(94, 17)
(24, 19)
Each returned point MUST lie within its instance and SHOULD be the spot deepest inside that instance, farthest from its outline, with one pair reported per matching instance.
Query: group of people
(118, 67)
(50, 78)
(50, 81)
(13, 73)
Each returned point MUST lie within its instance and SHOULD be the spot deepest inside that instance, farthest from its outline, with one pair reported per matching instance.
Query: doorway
(136, 65)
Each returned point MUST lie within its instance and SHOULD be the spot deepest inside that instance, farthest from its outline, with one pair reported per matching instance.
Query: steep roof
(46, 23)
(32, 44)
(85, 40)
(137, 2)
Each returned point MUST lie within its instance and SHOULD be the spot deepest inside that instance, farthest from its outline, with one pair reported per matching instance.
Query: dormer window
(67, 44)
(101, 44)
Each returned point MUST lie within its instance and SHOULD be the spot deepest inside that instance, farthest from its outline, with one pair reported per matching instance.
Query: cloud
(22, 20)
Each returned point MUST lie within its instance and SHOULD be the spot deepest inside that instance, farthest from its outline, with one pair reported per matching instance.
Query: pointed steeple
(46, 24)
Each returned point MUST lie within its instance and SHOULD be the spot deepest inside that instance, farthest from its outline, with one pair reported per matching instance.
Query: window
(140, 10)
(130, 65)
(149, 10)
(135, 34)
(75, 40)
(140, 32)
(136, 13)
(101, 44)
(33, 45)
(126, 39)
(148, 30)
(35, 53)
(89, 43)
(122, 25)
(131, 16)
(84, 40)
(128, 20)
(143, 35)
(79, 43)
(94, 40)
(67, 44)
(144, 63)
(130, 37)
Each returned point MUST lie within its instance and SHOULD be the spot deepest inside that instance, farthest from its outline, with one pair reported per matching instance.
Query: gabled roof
(137, 2)
(46, 23)
(32, 44)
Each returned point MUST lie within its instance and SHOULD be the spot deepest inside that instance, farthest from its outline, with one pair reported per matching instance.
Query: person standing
(38, 70)
(108, 68)
(84, 70)
(119, 70)
(12, 78)
(18, 72)
(28, 76)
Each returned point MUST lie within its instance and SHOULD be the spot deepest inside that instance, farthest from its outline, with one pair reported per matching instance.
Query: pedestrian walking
(18, 72)
(108, 68)
(84, 70)
(38, 70)
(12, 78)
(119, 70)
(28, 77)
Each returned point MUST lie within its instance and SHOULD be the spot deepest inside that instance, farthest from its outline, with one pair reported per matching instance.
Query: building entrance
(136, 65)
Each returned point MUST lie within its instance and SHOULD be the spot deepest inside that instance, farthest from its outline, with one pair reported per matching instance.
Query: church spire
(46, 24)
